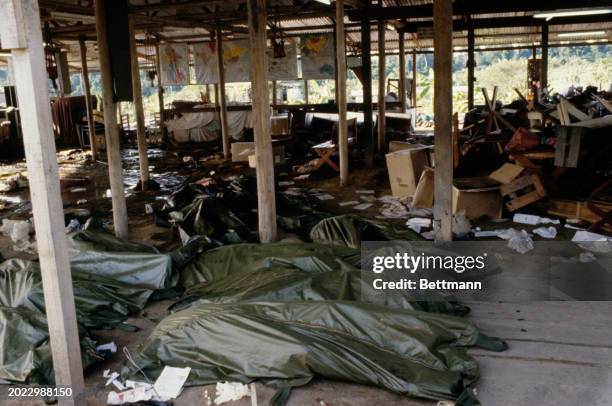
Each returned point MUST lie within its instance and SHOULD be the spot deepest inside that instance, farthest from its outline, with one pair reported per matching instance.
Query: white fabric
(174, 62)
(283, 68)
(317, 56)
(190, 127)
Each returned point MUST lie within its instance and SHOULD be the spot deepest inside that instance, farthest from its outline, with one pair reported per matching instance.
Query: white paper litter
(519, 241)
(170, 382)
(19, 231)
(587, 236)
(112, 347)
(302, 177)
(324, 196)
(349, 203)
(571, 227)
(230, 392)
(487, 233)
(532, 219)
(111, 378)
(365, 192)
(74, 225)
(78, 190)
(417, 223)
(286, 183)
(362, 206)
(368, 198)
(130, 396)
(461, 224)
(586, 257)
(546, 232)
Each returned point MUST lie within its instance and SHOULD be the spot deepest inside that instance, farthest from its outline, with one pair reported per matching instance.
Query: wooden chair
(327, 149)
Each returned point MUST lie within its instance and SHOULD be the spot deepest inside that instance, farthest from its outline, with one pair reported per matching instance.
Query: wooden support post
(471, 64)
(274, 96)
(402, 72)
(266, 202)
(143, 158)
(544, 64)
(414, 81)
(222, 100)
(160, 94)
(381, 87)
(341, 92)
(306, 92)
(111, 128)
(91, 124)
(366, 74)
(443, 120)
(25, 41)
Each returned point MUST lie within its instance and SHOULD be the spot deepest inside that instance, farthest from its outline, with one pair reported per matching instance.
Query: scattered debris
(362, 206)
(519, 241)
(417, 223)
(13, 183)
(546, 232)
(461, 225)
(365, 192)
(324, 196)
(170, 382)
(349, 203)
(286, 183)
(230, 392)
(74, 225)
(532, 219)
(302, 177)
(19, 231)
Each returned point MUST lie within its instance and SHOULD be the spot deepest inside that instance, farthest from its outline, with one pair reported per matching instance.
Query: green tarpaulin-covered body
(287, 344)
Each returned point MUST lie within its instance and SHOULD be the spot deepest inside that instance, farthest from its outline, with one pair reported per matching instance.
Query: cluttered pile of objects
(549, 157)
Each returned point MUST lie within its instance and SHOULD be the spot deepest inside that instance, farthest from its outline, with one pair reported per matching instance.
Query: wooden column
(266, 202)
(91, 125)
(222, 100)
(471, 64)
(111, 129)
(381, 87)
(544, 55)
(143, 158)
(160, 95)
(306, 92)
(366, 79)
(274, 96)
(402, 71)
(341, 92)
(443, 120)
(20, 32)
(414, 81)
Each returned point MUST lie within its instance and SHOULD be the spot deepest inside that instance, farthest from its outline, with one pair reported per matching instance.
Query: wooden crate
(523, 191)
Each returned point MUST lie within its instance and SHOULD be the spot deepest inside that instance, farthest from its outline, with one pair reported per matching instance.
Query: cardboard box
(279, 157)
(241, 151)
(405, 167)
(477, 197)
(424, 193)
(506, 173)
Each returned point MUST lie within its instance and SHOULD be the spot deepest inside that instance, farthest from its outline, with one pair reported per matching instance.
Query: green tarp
(25, 353)
(350, 230)
(287, 344)
(220, 262)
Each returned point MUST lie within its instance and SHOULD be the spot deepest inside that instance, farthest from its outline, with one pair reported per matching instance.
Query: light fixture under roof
(572, 13)
(581, 34)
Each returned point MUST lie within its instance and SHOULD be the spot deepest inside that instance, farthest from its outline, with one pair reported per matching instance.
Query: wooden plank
(45, 194)
(544, 63)
(471, 64)
(366, 80)
(222, 99)
(111, 129)
(381, 88)
(573, 110)
(266, 202)
(577, 209)
(443, 110)
(523, 201)
(341, 92)
(574, 149)
(141, 136)
(402, 72)
(91, 124)
(515, 185)
(600, 122)
(414, 81)
(561, 146)
(160, 94)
